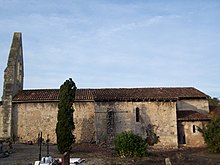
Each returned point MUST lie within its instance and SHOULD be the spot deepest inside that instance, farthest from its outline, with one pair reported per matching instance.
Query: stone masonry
(161, 115)
(13, 82)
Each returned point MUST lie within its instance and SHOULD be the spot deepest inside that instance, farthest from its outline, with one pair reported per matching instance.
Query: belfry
(13, 83)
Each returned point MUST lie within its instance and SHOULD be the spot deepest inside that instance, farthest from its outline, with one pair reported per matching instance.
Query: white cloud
(115, 44)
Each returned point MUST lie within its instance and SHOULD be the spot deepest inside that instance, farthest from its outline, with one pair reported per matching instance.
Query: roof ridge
(32, 89)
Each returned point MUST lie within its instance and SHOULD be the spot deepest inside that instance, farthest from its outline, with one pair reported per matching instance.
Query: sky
(115, 43)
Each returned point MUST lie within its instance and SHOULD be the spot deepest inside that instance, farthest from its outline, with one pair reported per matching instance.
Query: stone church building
(173, 113)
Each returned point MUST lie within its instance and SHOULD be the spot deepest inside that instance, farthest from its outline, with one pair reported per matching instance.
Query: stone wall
(162, 115)
(31, 118)
(1, 120)
(193, 137)
(91, 121)
(84, 118)
(199, 105)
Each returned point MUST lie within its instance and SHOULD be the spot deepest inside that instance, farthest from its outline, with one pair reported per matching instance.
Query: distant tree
(213, 101)
(211, 134)
(65, 124)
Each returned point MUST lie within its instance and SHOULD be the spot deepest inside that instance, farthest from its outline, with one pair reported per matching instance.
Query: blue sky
(115, 43)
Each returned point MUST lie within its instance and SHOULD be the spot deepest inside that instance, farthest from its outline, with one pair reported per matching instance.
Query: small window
(194, 129)
(137, 115)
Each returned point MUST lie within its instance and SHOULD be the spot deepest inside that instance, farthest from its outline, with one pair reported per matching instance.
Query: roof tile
(112, 94)
(189, 115)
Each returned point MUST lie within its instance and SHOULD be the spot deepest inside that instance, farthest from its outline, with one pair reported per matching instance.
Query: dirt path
(24, 154)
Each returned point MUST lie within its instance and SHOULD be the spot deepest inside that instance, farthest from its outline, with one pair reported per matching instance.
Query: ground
(24, 154)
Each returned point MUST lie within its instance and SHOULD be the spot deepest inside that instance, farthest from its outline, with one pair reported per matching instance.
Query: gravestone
(167, 161)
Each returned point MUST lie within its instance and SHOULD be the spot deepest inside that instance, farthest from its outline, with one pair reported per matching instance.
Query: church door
(181, 134)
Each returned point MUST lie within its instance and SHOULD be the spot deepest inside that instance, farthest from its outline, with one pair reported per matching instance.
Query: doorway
(181, 134)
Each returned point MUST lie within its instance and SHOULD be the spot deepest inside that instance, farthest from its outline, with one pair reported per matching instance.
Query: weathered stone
(13, 82)
(193, 138)
(159, 114)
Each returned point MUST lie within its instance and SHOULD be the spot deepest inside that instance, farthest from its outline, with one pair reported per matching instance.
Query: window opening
(194, 129)
(137, 115)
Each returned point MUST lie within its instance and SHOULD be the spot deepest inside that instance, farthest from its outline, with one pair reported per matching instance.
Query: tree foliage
(65, 124)
(213, 101)
(127, 144)
(211, 134)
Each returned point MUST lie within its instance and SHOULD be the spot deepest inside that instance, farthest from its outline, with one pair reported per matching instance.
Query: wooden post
(47, 141)
(1, 146)
(40, 143)
(66, 159)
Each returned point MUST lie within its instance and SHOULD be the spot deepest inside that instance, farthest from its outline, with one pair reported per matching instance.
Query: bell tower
(13, 83)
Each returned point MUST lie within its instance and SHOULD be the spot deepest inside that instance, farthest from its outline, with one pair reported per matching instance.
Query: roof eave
(135, 100)
(46, 101)
(186, 98)
(34, 101)
(186, 119)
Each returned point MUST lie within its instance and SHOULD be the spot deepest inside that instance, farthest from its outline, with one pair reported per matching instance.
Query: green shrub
(128, 144)
(211, 134)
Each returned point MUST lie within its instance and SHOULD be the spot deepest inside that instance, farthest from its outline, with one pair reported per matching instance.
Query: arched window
(137, 115)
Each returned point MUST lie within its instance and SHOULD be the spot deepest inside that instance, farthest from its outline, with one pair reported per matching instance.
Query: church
(173, 113)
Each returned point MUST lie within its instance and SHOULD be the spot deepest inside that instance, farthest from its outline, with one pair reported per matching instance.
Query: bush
(128, 144)
(211, 134)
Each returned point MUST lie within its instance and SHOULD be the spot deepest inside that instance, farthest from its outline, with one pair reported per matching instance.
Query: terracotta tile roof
(42, 95)
(214, 110)
(37, 95)
(112, 94)
(146, 94)
(189, 115)
(84, 94)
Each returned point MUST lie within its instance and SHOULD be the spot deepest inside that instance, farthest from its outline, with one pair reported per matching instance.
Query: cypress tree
(65, 124)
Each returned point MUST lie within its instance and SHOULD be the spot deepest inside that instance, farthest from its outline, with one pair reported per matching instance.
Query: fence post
(66, 159)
